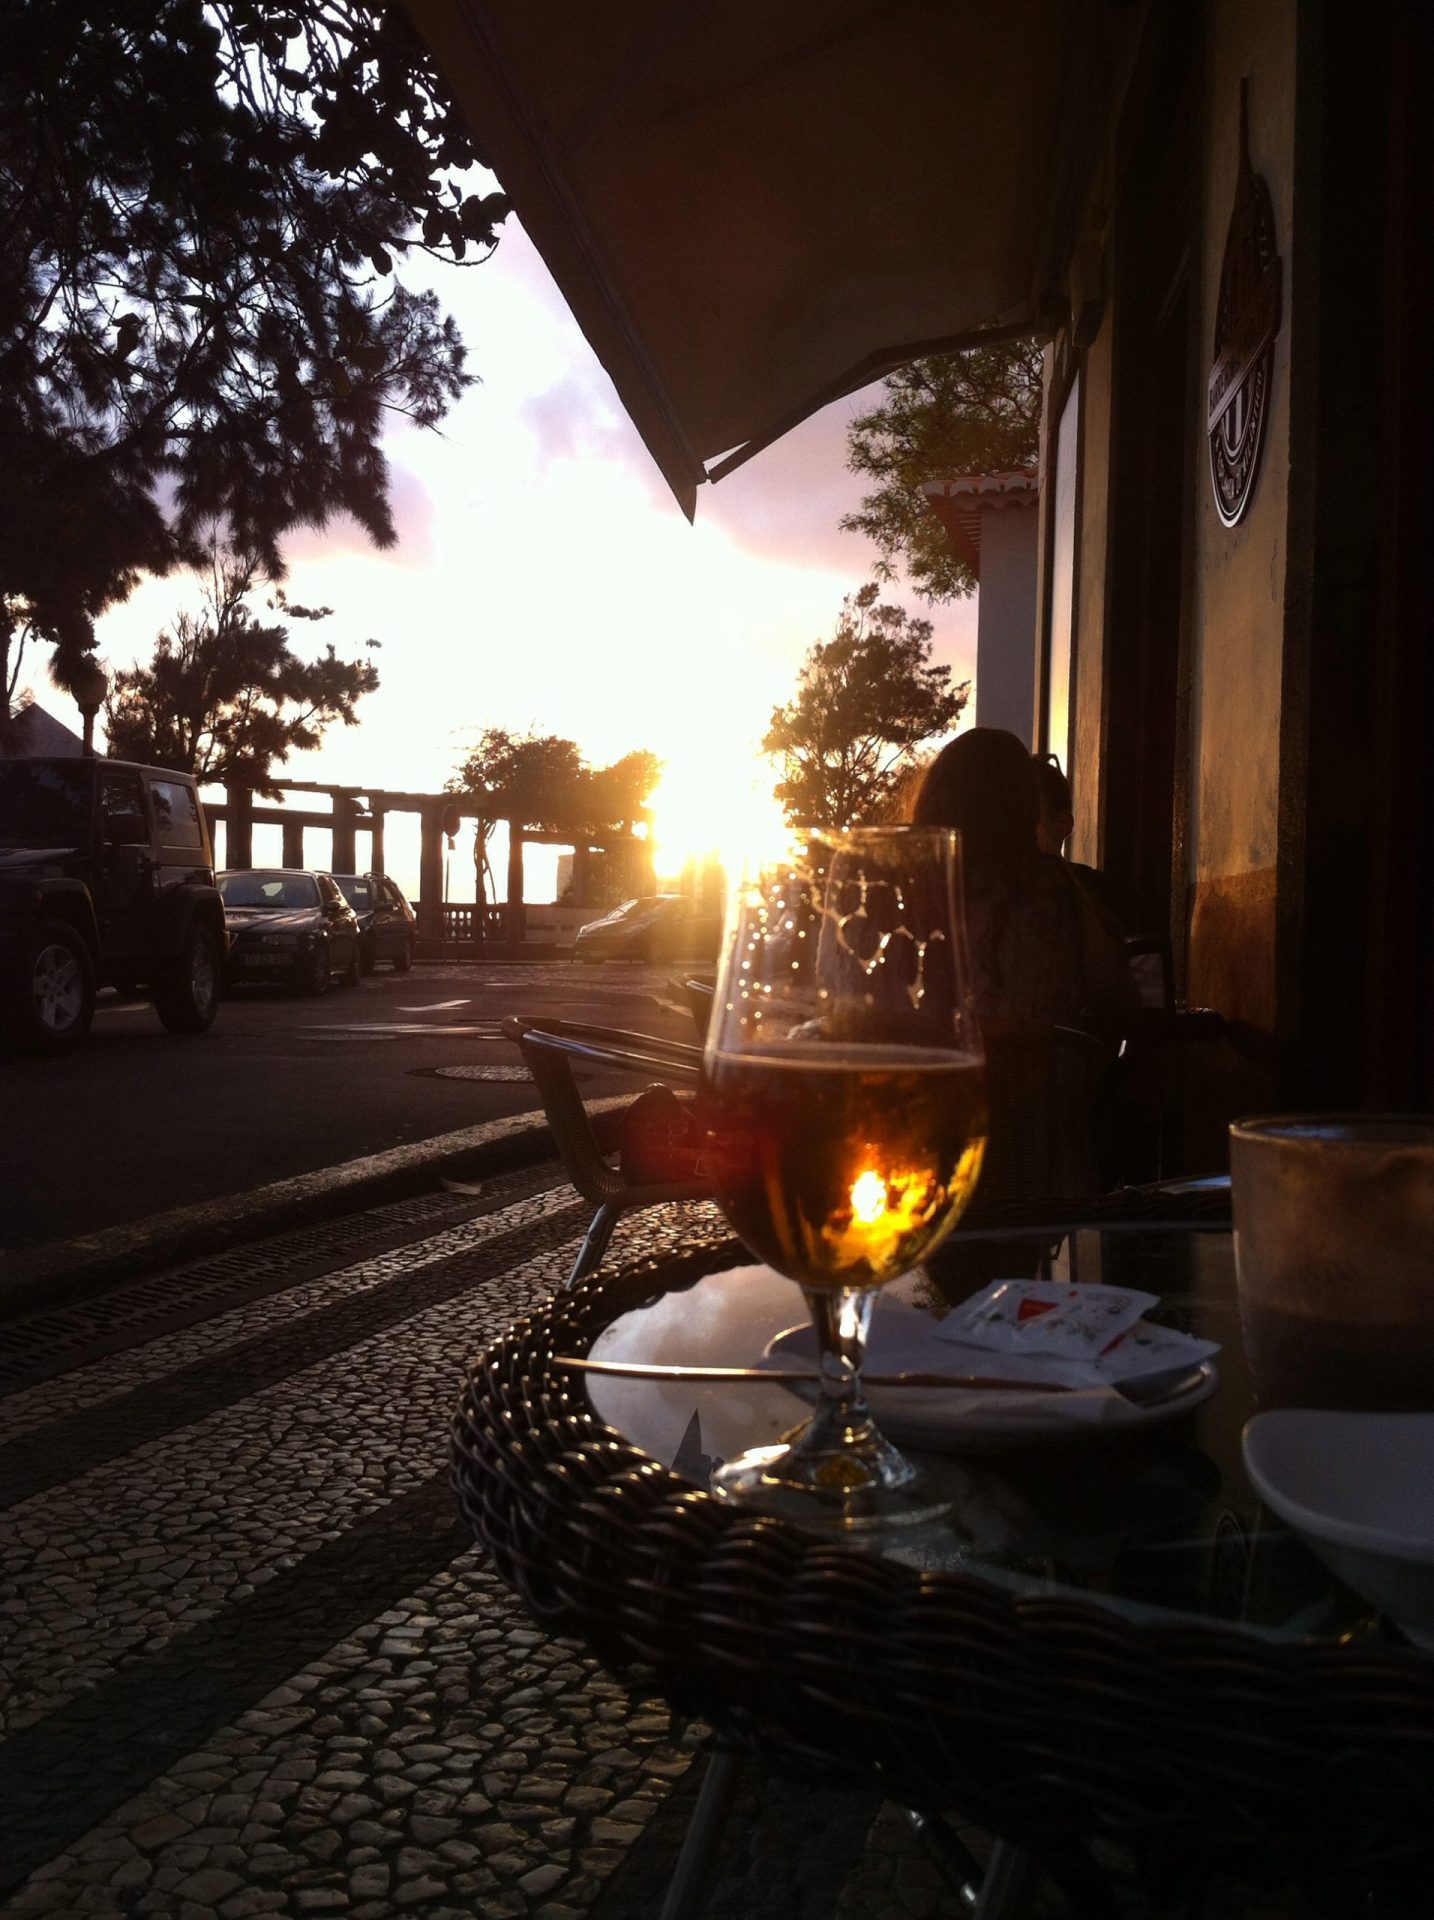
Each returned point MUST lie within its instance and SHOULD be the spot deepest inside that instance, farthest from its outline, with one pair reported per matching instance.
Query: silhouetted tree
(617, 795)
(544, 782)
(975, 412)
(866, 700)
(225, 697)
(201, 208)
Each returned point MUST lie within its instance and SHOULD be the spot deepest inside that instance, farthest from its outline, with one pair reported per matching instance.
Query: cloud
(559, 420)
(789, 498)
(580, 420)
(413, 512)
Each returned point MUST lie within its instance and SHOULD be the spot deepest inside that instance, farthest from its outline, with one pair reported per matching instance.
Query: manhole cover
(480, 1073)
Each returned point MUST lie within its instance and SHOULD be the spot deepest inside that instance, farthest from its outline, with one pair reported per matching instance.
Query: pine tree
(225, 697)
(201, 212)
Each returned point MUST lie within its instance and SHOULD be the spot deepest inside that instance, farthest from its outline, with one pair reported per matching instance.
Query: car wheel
(314, 970)
(350, 975)
(186, 995)
(49, 999)
(403, 959)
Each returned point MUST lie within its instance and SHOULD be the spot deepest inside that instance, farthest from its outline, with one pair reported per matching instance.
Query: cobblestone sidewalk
(249, 1662)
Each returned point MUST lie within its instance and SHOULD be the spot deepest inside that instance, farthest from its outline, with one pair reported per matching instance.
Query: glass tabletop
(1155, 1517)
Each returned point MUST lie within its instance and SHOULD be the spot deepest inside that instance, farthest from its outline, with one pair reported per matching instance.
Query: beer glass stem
(840, 1420)
(836, 1469)
(840, 1452)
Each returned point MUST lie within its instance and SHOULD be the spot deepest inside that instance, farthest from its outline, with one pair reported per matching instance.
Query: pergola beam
(347, 820)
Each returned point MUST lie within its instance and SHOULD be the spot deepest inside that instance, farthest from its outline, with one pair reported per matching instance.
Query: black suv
(106, 879)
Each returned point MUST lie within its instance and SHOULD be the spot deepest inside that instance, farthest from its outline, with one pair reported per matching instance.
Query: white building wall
(1006, 621)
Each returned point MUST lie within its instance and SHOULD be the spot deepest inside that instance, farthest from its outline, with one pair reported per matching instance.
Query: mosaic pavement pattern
(250, 1663)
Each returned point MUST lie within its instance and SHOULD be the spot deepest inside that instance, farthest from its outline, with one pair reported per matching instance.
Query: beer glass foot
(853, 1488)
(835, 1471)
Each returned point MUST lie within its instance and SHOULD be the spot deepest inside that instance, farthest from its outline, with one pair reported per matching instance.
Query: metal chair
(1045, 1087)
(1153, 1088)
(698, 994)
(549, 1049)
(1152, 963)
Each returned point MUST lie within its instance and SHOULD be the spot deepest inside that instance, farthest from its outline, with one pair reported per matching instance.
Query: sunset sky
(546, 581)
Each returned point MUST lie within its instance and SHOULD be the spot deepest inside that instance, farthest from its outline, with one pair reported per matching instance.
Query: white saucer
(1359, 1490)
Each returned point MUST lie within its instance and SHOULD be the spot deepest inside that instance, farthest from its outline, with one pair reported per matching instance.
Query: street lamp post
(89, 685)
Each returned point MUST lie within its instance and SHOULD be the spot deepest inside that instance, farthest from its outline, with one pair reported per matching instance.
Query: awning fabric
(755, 208)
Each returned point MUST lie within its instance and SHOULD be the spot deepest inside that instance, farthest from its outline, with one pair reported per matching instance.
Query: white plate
(732, 1318)
(958, 1419)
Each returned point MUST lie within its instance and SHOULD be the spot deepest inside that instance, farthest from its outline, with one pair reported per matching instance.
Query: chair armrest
(549, 1048)
(607, 1047)
(700, 996)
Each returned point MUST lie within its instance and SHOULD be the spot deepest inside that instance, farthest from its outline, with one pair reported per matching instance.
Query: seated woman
(1044, 961)
(1120, 904)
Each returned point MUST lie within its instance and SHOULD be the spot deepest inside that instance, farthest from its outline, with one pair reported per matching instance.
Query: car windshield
(357, 892)
(633, 909)
(44, 805)
(281, 891)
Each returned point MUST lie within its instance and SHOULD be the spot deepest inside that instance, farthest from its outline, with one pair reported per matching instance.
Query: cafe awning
(753, 210)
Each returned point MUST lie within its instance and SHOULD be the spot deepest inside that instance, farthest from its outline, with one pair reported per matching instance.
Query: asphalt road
(138, 1121)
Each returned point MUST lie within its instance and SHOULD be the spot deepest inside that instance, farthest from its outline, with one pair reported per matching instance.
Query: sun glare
(710, 811)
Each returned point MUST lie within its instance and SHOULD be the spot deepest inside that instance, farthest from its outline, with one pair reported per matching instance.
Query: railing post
(643, 863)
(517, 916)
(239, 827)
(345, 835)
(430, 871)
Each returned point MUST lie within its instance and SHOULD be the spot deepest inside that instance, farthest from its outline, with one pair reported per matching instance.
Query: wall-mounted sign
(1247, 318)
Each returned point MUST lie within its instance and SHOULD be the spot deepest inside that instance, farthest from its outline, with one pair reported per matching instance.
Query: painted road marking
(435, 1006)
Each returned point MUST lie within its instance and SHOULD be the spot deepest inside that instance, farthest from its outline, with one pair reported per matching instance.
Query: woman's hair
(1052, 785)
(983, 783)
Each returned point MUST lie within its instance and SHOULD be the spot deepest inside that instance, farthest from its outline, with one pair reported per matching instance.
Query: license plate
(267, 960)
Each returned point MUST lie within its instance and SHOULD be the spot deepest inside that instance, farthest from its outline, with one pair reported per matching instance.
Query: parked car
(289, 925)
(388, 926)
(106, 879)
(658, 928)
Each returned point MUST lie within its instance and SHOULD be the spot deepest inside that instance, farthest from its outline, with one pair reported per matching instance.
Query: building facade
(1240, 682)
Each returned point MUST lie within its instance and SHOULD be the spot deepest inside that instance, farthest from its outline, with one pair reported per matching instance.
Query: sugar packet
(1047, 1317)
(1088, 1335)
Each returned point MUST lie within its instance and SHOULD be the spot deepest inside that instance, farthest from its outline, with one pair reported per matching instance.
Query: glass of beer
(844, 1072)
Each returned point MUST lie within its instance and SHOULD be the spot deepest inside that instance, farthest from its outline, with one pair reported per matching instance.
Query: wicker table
(1124, 1647)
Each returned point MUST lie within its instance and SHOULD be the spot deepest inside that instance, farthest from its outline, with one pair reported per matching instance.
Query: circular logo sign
(1247, 318)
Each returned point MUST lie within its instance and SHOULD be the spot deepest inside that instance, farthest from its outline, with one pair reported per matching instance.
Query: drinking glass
(1334, 1255)
(844, 1073)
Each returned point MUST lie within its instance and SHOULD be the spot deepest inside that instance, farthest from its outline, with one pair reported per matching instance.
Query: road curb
(67, 1271)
